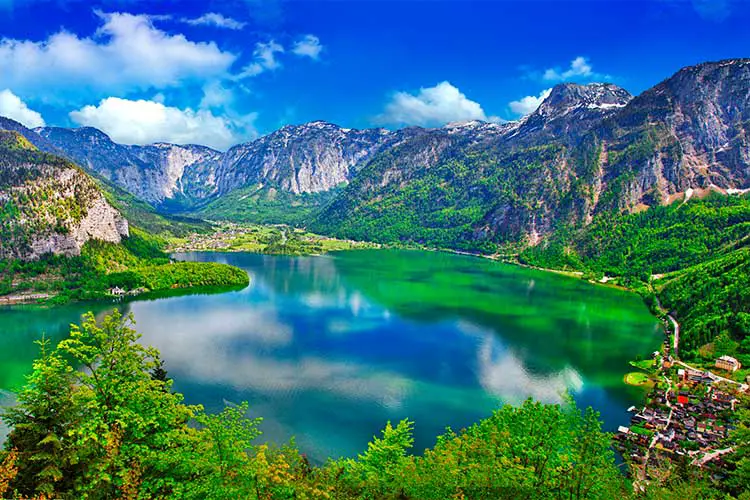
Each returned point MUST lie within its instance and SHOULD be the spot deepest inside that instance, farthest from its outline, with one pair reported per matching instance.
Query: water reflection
(328, 349)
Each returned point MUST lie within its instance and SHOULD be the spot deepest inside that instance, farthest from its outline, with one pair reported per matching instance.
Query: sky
(220, 72)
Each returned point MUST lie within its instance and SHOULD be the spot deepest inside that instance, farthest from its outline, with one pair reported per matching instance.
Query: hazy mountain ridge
(154, 173)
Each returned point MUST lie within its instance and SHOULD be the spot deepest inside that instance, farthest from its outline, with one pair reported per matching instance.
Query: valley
(276, 239)
(293, 272)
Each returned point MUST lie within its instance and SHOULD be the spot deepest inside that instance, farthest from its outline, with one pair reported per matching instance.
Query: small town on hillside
(687, 416)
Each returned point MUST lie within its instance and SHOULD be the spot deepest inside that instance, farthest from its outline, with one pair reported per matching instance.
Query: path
(676, 343)
(711, 374)
(710, 456)
(676, 340)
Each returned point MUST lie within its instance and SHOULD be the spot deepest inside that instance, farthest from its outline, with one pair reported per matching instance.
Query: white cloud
(146, 122)
(216, 20)
(11, 106)
(431, 106)
(127, 52)
(528, 104)
(309, 46)
(216, 95)
(265, 59)
(579, 68)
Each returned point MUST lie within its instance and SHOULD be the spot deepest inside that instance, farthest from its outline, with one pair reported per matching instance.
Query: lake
(329, 348)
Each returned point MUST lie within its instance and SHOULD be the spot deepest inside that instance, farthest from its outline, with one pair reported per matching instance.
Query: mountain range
(587, 150)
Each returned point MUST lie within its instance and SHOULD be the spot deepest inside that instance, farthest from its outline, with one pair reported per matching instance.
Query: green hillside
(45, 195)
(695, 255)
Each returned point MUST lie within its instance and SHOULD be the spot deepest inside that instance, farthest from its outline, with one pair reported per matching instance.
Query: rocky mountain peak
(567, 97)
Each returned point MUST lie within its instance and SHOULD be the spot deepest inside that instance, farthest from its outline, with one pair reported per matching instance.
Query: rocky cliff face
(569, 112)
(49, 205)
(586, 150)
(689, 134)
(308, 158)
(157, 173)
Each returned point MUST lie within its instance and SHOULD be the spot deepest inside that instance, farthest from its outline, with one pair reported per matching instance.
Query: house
(117, 291)
(728, 363)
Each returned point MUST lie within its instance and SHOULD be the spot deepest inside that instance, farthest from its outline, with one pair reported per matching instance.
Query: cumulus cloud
(579, 67)
(216, 95)
(11, 106)
(127, 52)
(432, 106)
(265, 59)
(216, 20)
(146, 122)
(528, 104)
(308, 46)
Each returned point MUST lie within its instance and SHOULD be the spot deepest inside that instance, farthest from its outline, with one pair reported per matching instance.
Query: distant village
(686, 417)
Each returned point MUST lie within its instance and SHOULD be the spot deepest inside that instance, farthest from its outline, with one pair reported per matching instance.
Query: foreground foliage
(98, 419)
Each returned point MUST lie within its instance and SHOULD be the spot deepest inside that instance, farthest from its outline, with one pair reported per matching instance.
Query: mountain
(311, 158)
(570, 111)
(37, 140)
(307, 158)
(689, 134)
(587, 151)
(49, 205)
(158, 174)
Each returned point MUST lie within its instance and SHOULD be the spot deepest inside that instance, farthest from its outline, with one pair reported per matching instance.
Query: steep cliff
(157, 173)
(48, 205)
(307, 158)
(586, 150)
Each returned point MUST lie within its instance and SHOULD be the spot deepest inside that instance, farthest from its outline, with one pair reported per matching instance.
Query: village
(687, 417)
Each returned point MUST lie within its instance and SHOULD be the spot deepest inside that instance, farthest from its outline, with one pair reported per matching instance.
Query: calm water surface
(327, 349)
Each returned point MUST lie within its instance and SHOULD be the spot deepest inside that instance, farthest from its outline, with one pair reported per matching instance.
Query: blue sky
(219, 72)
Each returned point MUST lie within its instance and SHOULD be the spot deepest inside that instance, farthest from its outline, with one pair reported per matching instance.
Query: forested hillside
(49, 205)
(694, 254)
(62, 238)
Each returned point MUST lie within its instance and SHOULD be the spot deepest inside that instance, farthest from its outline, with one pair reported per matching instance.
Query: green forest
(98, 419)
(695, 257)
(137, 264)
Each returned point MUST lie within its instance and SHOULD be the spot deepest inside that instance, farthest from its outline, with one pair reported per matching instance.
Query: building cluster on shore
(689, 418)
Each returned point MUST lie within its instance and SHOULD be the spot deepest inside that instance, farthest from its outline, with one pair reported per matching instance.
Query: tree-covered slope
(695, 255)
(49, 205)
(262, 204)
(712, 302)
(61, 238)
(587, 150)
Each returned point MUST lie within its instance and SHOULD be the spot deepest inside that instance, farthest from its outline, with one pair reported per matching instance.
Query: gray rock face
(587, 149)
(101, 222)
(309, 158)
(51, 205)
(154, 173)
(569, 112)
(693, 128)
